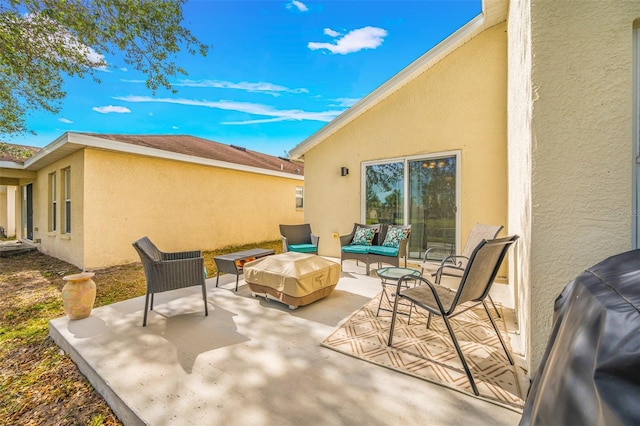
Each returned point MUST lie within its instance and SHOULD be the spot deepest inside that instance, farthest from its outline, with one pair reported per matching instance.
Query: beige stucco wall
(179, 206)
(574, 134)
(68, 247)
(457, 105)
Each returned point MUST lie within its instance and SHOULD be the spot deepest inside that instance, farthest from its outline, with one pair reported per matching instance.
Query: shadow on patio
(252, 361)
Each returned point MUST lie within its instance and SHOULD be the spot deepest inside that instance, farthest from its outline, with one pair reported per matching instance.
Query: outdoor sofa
(378, 243)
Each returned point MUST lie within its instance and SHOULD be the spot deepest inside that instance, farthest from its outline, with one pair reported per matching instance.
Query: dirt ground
(39, 384)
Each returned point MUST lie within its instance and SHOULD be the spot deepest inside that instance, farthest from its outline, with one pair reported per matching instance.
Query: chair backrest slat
(482, 270)
(146, 248)
(296, 234)
(478, 233)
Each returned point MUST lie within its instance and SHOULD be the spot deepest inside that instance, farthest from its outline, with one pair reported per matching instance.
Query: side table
(233, 263)
(390, 276)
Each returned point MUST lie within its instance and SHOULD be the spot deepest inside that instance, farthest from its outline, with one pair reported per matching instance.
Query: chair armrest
(345, 240)
(452, 260)
(402, 248)
(181, 255)
(454, 271)
(315, 239)
(426, 253)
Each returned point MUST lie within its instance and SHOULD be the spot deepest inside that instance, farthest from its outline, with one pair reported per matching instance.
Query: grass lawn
(39, 384)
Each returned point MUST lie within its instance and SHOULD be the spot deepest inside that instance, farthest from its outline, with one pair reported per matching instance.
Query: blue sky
(276, 73)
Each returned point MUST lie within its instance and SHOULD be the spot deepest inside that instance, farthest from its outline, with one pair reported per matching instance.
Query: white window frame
(67, 200)
(53, 213)
(299, 197)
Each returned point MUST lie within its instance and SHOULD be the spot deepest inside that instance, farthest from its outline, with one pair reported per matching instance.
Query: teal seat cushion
(303, 248)
(385, 251)
(356, 249)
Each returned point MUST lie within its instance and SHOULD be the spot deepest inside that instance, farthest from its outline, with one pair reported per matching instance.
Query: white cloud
(354, 41)
(260, 87)
(246, 107)
(260, 121)
(331, 33)
(65, 120)
(346, 102)
(175, 127)
(298, 5)
(110, 108)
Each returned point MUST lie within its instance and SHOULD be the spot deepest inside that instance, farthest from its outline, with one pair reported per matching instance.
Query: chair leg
(217, 278)
(494, 306)
(380, 302)
(237, 279)
(146, 308)
(495, 328)
(428, 320)
(462, 359)
(204, 297)
(393, 321)
(152, 294)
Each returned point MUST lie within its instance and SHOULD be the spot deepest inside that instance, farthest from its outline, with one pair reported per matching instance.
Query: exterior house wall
(179, 206)
(457, 105)
(68, 247)
(577, 142)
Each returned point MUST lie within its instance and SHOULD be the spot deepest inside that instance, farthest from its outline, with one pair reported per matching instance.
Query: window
(420, 191)
(67, 200)
(299, 197)
(53, 203)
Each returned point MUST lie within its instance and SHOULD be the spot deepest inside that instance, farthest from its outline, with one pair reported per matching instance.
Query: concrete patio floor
(252, 362)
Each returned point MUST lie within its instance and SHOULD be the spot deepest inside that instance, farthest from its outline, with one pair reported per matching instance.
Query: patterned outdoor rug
(429, 353)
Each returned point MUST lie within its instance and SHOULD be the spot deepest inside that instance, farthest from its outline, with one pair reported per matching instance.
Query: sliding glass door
(418, 191)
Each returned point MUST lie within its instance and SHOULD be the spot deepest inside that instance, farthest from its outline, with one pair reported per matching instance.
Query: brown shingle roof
(14, 152)
(198, 147)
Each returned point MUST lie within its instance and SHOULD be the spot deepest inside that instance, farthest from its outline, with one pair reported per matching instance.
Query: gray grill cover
(590, 372)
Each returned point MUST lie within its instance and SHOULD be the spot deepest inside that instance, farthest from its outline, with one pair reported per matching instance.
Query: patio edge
(121, 410)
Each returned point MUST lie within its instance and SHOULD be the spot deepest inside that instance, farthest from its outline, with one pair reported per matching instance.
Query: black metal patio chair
(477, 278)
(454, 265)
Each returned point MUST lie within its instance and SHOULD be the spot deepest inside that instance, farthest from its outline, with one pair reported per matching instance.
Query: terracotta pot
(78, 295)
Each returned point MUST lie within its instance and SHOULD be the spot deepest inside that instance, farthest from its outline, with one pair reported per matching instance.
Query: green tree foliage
(41, 41)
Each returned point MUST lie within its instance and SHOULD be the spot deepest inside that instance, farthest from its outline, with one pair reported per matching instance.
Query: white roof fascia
(10, 165)
(53, 146)
(417, 67)
(108, 144)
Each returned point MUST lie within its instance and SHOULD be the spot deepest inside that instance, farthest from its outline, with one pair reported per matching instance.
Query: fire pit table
(295, 279)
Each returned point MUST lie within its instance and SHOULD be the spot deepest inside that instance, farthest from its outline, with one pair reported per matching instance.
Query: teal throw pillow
(394, 236)
(363, 237)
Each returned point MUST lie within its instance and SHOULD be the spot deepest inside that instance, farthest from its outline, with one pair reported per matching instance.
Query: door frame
(427, 156)
(27, 212)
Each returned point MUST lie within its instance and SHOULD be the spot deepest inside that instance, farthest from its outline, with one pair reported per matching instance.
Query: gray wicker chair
(477, 278)
(299, 238)
(169, 271)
